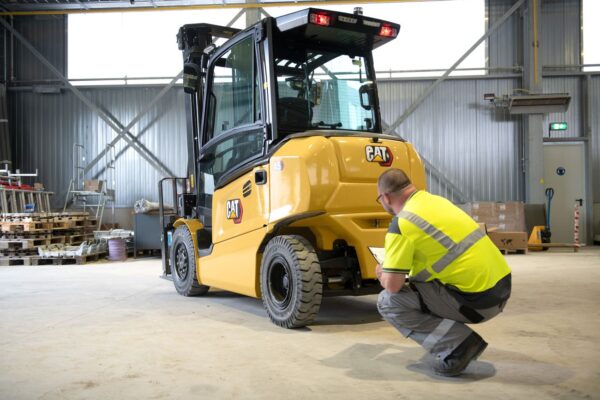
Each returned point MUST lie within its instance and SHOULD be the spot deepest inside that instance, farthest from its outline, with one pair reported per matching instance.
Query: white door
(564, 172)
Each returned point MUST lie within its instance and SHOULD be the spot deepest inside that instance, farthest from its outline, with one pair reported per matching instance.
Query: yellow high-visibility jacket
(435, 240)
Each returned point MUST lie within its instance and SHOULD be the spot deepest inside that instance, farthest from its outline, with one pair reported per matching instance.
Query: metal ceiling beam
(441, 79)
(127, 136)
(125, 6)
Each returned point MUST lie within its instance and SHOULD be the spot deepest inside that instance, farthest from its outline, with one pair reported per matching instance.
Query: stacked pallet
(22, 234)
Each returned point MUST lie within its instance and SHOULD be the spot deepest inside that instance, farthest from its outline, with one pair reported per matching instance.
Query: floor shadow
(348, 311)
(335, 311)
(388, 362)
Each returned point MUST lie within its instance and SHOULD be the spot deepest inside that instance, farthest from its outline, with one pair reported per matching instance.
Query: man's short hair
(393, 180)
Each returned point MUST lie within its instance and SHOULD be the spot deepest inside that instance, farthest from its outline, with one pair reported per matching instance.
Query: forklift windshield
(319, 89)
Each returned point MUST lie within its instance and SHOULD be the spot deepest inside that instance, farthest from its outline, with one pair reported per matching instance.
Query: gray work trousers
(439, 331)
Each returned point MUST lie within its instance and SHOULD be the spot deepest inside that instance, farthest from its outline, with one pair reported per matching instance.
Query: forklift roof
(334, 28)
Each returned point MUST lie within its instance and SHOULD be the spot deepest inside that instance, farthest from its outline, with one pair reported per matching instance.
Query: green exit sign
(558, 126)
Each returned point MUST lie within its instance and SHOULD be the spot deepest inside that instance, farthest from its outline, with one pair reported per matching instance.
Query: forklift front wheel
(290, 281)
(183, 264)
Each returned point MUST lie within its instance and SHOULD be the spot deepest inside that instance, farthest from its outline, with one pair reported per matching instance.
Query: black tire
(183, 264)
(291, 281)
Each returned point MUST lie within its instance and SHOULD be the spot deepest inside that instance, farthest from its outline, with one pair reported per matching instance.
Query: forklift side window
(232, 91)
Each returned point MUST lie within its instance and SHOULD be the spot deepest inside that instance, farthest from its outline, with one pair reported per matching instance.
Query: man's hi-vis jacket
(435, 240)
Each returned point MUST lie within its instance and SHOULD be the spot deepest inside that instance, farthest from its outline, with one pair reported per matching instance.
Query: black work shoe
(459, 359)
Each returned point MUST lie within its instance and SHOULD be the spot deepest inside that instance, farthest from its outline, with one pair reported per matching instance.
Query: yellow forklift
(285, 148)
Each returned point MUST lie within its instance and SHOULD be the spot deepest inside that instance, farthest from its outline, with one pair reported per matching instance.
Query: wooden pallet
(58, 239)
(573, 246)
(22, 244)
(20, 226)
(42, 217)
(513, 251)
(66, 260)
(78, 238)
(18, 260)
(12, 252)
(24, 235)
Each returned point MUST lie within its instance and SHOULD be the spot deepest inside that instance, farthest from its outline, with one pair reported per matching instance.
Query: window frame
(207, 143)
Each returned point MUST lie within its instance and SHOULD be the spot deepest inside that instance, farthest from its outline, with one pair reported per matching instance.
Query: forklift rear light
(387, 31)
(320, 19)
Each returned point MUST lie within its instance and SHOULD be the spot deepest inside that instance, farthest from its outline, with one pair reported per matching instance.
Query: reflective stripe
(455, 250)
(438, 333)
(458, 249)
(429, 229)
(421, 276)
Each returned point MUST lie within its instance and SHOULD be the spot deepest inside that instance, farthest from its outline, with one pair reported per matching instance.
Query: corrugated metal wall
(499, 53)
(45, 138)
(572, 117)
(560, 35)
(47, 33)
(455, 121)
(451, 124)
(560, 32)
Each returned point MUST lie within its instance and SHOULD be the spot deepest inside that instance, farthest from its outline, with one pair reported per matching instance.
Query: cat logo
(235, 210)
(379, 154)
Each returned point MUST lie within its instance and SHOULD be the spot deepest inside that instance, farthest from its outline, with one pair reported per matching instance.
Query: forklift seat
(294, 113)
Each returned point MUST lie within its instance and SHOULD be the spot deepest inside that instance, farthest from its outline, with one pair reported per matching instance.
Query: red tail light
(320, 19)
(387, 31)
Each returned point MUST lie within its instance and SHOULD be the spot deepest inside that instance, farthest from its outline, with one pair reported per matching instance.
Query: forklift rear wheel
(290, 281)
(183, 264)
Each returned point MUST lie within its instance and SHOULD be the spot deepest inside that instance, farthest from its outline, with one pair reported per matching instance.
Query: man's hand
(390, 282)
(378, 272)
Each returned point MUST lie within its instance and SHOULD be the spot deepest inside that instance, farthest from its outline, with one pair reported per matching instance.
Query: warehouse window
(591, 33)
(124, 46)
(433, 35)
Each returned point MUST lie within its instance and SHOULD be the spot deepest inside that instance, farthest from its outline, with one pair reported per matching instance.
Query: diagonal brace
(137, 118)
(148, 156)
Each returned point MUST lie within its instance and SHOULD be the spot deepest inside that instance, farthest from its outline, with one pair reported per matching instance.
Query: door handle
(260, 177)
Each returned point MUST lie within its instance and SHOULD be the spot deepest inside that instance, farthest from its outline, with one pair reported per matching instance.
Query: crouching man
(457, 276)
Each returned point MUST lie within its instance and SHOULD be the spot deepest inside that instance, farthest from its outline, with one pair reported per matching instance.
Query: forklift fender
(193, 226)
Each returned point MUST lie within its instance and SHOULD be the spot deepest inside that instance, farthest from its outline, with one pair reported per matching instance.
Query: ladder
(79, 196)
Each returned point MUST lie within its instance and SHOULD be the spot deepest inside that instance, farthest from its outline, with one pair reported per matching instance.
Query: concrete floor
(117, 331)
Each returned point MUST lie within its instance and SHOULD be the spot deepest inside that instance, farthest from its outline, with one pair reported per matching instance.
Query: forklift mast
(196, 43)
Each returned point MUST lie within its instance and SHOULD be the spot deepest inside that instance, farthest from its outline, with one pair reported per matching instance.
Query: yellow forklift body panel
(334, 178)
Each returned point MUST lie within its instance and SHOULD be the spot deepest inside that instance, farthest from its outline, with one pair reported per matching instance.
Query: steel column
(252, 14)
(533, 123)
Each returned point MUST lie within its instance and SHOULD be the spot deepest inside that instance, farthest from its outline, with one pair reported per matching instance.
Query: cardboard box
(509, 217)
(93, 185)
(509, 240)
